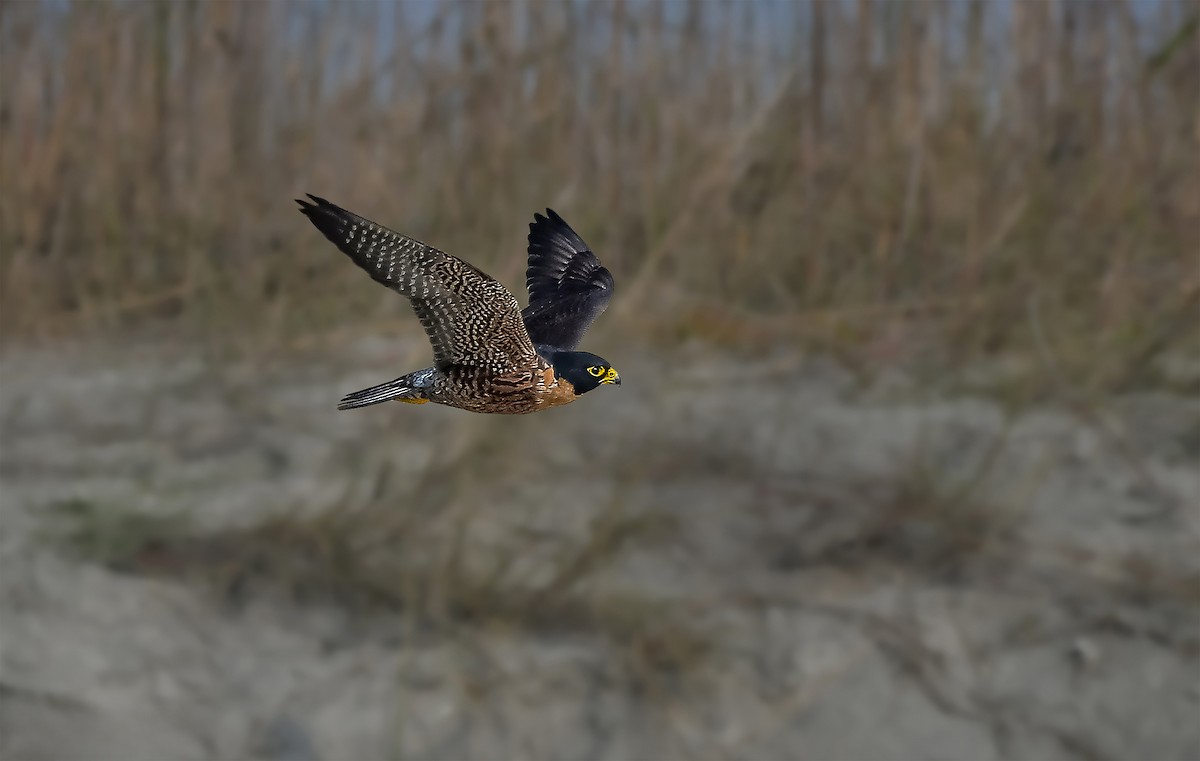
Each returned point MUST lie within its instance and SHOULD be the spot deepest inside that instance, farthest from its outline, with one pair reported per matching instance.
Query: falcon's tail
(407, 388)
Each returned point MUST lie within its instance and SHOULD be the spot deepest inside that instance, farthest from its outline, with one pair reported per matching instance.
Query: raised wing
(568, 287)
(470, 318)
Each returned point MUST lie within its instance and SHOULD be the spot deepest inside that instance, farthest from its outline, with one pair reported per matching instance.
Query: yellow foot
(413, 401)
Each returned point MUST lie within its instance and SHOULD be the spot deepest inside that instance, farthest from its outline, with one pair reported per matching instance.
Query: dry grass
(906, 172)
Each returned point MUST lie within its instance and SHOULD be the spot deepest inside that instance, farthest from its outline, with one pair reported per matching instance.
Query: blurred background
(906, 460)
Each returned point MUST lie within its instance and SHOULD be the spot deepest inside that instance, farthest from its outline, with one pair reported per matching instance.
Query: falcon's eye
(596, 371)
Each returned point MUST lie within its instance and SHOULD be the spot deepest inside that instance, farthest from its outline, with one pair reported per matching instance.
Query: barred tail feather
(402, 388)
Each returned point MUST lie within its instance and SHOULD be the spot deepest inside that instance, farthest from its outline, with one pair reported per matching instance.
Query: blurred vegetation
(874, 177)
(432, 556)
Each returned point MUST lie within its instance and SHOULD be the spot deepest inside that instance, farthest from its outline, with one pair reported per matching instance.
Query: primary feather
(470, 318)
(568, 287)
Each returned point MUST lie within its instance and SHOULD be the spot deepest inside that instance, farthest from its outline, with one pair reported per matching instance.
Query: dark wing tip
(307, 208)
(555, 232)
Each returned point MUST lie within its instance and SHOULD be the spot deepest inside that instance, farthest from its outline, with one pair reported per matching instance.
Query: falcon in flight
(489, 355)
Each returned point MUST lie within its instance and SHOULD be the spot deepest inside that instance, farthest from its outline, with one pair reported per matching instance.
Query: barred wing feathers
(471, 318)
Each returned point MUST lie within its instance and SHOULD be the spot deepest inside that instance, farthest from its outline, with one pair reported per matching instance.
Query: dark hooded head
(584, 371)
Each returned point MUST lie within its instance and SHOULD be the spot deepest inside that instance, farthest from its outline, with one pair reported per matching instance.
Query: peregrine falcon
(488, 354)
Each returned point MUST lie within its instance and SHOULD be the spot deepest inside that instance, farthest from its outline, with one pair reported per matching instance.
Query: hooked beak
(612, 376)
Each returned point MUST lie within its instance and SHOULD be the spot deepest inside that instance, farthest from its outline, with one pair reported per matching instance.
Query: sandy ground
(873, 573)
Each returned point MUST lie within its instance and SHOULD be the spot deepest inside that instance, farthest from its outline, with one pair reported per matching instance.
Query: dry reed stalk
(148, 144)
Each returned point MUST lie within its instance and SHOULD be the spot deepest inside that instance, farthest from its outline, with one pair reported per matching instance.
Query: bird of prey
(488, 354)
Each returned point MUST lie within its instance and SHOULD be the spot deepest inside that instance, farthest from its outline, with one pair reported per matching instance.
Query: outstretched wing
(470, 318)
(568, 287)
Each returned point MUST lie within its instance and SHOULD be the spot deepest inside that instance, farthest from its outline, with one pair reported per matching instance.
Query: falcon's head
(584, 371)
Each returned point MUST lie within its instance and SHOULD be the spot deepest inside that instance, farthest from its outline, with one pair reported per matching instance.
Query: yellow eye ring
(596, 371)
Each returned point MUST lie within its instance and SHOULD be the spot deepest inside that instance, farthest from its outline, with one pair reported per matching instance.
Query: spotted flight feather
(471, 318)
